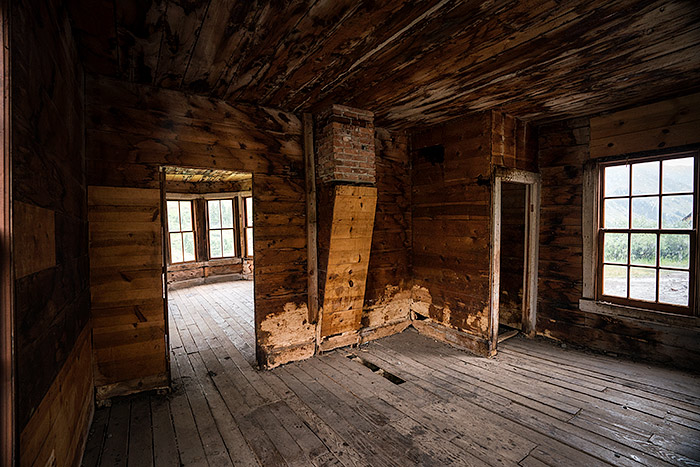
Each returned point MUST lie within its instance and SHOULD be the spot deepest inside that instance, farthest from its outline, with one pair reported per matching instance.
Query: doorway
(514, 253)
(208, 262)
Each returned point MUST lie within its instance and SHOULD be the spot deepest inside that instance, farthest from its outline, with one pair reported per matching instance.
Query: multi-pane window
(181, 231)
(648, 232)
(221, 228)
(248, 201)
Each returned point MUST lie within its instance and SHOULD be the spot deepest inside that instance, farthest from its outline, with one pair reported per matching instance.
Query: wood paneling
(132, 131)
(344, 271)
(125, 264)
(53, 378)
(35, 236)
(410, 63)
(564, 149)
(666, 124)
(451, 218)
(58, 428)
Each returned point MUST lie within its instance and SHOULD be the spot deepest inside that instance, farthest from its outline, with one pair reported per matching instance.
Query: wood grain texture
(666, 124)
(133, 130)
(34, 231)
(51, 286)
(451, 218)
(58, 428)
(410, 63)
(344, 271)
(564, 150)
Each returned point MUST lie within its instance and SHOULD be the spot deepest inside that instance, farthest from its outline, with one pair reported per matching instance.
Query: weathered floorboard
(533, 405)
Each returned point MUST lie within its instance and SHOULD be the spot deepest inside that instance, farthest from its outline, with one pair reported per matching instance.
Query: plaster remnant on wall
(291, 327)
(393, 306)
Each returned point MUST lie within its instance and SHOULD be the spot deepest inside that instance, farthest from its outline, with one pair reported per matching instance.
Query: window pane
(227, 238)
(645, 213)
(249, 239)
(173, 217)
(617, 181)
(215, 243)
(186, 215)
(227, 214)
(674, 287)
(615, 281)
(678, 175)
(616, 213)
(176, 248)
(188, 240)
(675, 251)
(615, 248)
(677, 212)
(645, 178)
(214, 215)
(643, 284)
(249, 211)
(643, 249)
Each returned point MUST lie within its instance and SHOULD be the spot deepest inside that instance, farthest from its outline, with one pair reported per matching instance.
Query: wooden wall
(132, 130)
(388, 288)
(565, 148)
(451, 206)
(52, 301)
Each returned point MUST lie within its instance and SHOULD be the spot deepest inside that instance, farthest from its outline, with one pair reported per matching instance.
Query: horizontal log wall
(194, 272)
(451, 209)
(132, 131)
(52, 301)
(564, 149)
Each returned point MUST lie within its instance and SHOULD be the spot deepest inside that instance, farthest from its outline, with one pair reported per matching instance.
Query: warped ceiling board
(408, 62)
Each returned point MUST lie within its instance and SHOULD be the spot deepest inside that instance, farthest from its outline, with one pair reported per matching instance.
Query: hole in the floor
(419, 317)
(375, 369)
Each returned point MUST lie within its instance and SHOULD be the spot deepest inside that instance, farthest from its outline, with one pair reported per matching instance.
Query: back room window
(221, 228)
(181, 231)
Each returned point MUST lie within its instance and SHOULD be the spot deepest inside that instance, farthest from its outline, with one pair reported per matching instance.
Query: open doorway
(208, 260)
(515, 240)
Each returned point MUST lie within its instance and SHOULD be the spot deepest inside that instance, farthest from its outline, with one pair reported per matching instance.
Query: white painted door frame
(532, 182)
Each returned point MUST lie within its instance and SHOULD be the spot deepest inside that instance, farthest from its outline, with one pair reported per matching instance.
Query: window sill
(621, 311)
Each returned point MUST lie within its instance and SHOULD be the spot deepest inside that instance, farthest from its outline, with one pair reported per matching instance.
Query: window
(648, 232)
(181, 231)
(248, 220)
(221, 228)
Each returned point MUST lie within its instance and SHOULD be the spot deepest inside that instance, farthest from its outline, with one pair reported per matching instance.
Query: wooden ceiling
(408, 61)
(181, 174)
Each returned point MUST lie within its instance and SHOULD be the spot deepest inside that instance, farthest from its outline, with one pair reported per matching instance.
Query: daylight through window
(180, 227)
(221, 228)
(647, 232)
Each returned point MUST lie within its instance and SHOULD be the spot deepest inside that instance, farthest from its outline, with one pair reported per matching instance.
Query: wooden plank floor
(534, 404)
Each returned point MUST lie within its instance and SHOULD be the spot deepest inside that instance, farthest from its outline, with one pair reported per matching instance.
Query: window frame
(249, 253)
(598, 261)
(181, 232)
(235, 228)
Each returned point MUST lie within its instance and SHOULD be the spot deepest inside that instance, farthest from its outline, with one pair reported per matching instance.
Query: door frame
(533, 187)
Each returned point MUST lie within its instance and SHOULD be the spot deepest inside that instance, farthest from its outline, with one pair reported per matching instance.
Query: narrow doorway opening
(513, 255)
(208, 263)
(515, 205)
